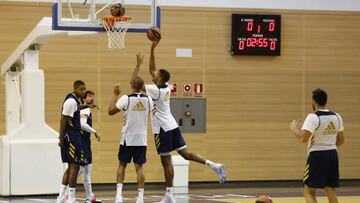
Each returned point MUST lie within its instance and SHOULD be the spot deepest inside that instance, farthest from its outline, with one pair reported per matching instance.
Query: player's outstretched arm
(112, 106)
(139, 61)
(302, 135)
(152, 65)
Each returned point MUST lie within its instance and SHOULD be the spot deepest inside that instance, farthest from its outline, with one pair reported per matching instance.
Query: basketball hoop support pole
(12, 100)
(92, 11)
(30, 162)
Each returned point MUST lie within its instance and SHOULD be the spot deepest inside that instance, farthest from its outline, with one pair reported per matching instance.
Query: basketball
(154, 34)
(263, 199)
(117, 10)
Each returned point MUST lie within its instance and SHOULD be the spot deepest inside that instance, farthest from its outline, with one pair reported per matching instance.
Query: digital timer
(254, 34)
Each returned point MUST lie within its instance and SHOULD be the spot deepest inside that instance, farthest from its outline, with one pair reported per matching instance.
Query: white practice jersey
(324, 126)
(161, 117)
(136, 108)
(85, 112)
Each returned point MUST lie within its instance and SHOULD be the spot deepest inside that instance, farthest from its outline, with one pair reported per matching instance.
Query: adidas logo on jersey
(139, 107)
(167, 96)
(330, 129)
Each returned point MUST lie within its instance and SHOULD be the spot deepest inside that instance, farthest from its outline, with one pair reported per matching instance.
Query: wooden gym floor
(232, 195)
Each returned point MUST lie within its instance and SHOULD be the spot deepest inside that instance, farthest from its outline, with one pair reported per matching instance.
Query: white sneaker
(138, 200)
(220, 170)
(119, 199)
(168, 199)
(61, 199)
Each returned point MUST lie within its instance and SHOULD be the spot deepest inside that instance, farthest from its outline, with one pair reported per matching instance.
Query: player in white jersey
(87, 130)
(167, 134)
(324, 132)
(71, 143)
(137, 108)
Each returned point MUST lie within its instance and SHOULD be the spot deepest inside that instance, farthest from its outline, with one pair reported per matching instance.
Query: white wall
(332, 5)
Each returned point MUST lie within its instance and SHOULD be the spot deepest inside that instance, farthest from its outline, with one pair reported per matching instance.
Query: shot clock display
(254, 34)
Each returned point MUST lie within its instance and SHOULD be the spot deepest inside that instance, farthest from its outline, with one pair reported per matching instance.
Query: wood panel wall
(251, 99)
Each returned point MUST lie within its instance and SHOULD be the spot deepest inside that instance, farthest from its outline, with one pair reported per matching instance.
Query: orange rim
(109, 21)
(116, 18)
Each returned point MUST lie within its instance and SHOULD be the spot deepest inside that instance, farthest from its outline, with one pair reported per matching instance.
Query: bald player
(136, 107)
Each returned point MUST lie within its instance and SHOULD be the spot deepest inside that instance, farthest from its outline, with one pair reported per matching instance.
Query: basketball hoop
(116, 28)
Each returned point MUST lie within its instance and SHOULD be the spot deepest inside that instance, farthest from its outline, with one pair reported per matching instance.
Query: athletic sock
(141, 193)
(169, 192)
(88, 189)
(119, 187)
(210, 164)
(72, 193)
(63, 191)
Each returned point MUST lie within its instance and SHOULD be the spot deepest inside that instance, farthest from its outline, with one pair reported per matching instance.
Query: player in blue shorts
(87, 130)
(70, 142)
(136, 107)
(167, 133)
(324, 132)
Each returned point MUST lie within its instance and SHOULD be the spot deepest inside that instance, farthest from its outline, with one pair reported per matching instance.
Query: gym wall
(251, 100)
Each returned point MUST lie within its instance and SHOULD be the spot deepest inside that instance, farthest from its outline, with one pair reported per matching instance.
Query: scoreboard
(254, 34)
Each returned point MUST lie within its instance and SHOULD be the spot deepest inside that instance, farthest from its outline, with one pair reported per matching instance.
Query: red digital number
(265, 42)
(260, 42)
(241, 45)
(259, 29)
(250, 26)
(253, 42)
(271, 27)
(248, 42)
(272, 45)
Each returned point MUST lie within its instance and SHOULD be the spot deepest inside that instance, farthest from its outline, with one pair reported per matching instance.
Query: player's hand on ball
(294, 125)
(117, 90)
(97, 136)
(155, 43)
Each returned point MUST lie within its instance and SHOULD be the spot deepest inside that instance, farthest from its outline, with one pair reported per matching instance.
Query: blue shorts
(87, 152)
(136, 153)
(169, 141)
(72, 152)
(322, 169)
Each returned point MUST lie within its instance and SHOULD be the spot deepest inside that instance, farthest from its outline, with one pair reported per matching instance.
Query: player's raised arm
(112, 106)
(152, 65)
(139, 61)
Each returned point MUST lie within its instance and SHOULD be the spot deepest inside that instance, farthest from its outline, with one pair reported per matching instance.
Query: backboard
(86, 15)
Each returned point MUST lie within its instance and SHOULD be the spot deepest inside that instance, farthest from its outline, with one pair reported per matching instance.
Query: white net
(116, 28)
